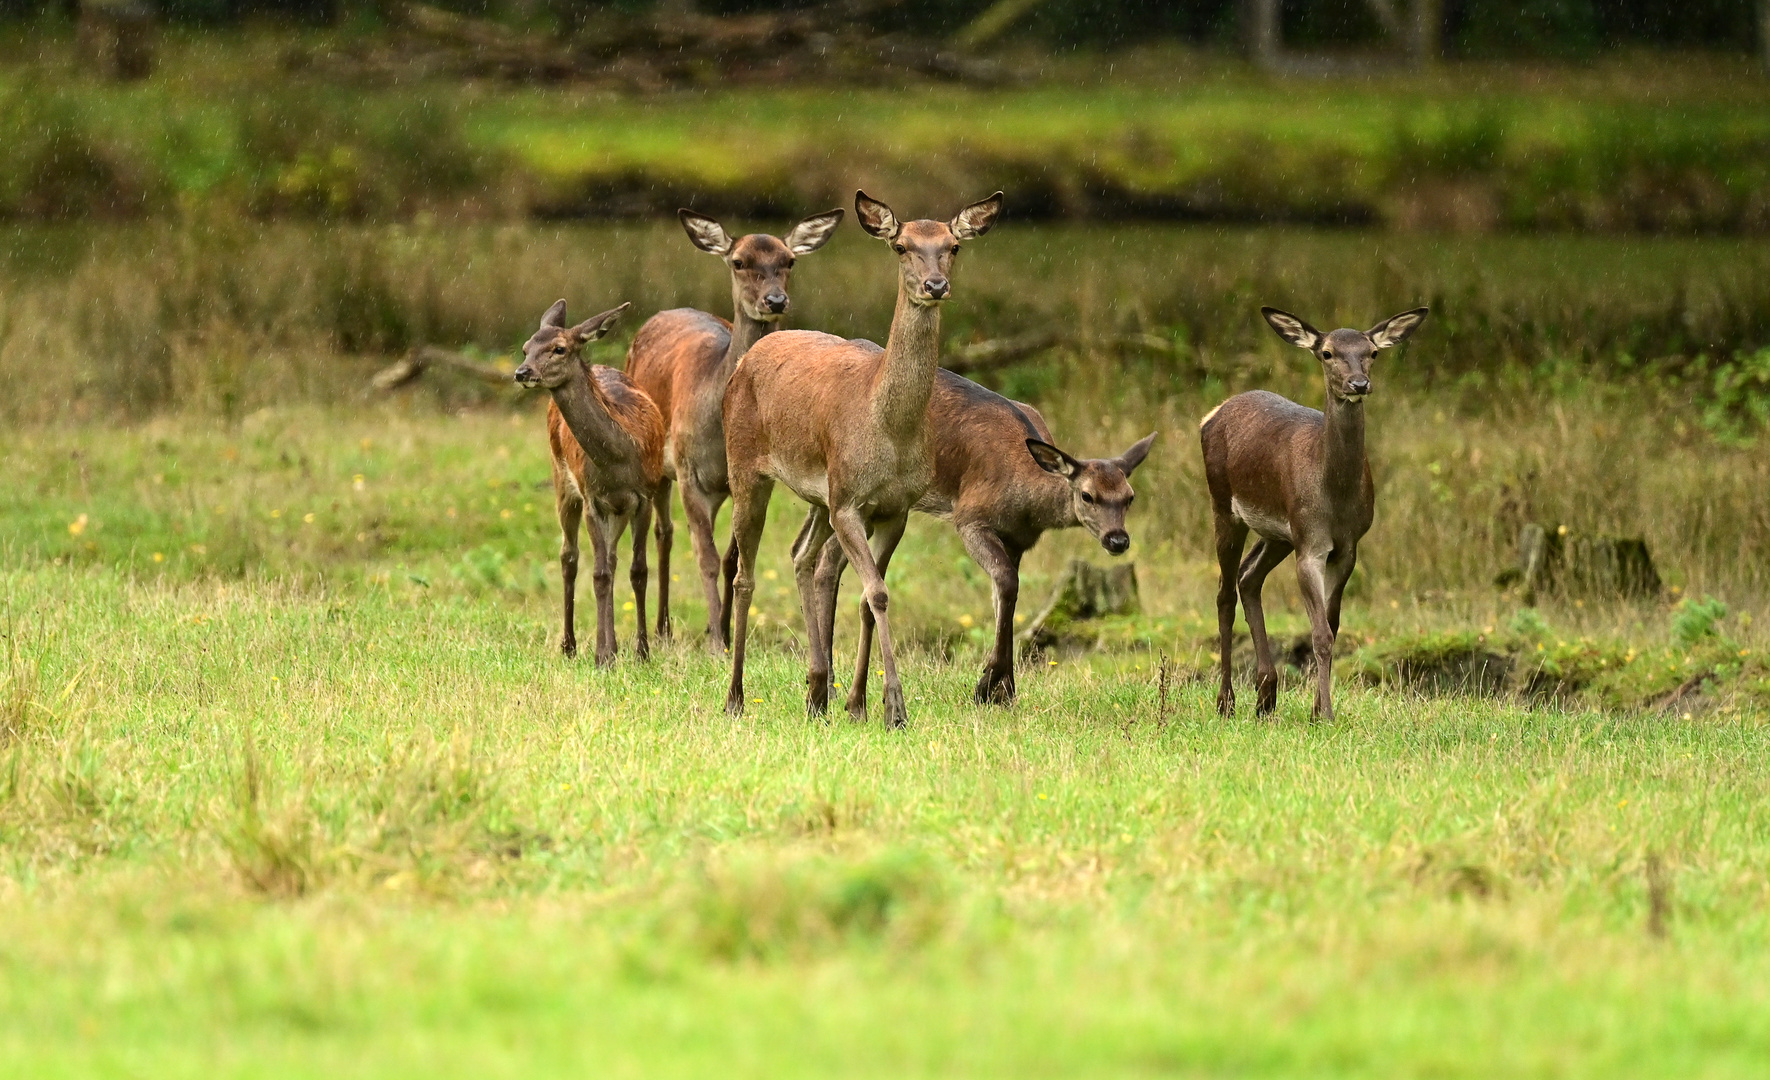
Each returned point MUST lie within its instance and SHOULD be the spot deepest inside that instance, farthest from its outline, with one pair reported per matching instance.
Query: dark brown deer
(1300, 479)
(607, 441)
(843, 424)
(1001, 501)
(682, 359)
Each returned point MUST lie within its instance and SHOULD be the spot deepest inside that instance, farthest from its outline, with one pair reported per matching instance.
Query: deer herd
(864, 435)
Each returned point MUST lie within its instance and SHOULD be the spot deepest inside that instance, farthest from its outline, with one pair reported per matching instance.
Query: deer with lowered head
(843, 424)
(1000, 499)
(682, 359)
(1300, 480)
(607, 443)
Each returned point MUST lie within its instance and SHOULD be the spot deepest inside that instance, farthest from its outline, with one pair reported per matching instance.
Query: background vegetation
(1627, 145)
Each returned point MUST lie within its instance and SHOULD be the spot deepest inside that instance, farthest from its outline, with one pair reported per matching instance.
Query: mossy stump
(1555, 560)
(1085, 592)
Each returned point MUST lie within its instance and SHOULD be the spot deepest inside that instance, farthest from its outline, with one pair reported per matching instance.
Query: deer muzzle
(775, 303)
(936, 288)
(1117, 542)
(524, 376)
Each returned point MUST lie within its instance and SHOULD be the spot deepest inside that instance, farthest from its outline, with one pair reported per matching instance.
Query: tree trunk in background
(1424, 46)
(1261, 27)
(1764, 30)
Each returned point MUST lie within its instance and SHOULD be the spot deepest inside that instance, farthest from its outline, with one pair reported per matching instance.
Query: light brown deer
(682, 359)
(1001, 501)
(607, 440)
(1300, 479)
(842, 423)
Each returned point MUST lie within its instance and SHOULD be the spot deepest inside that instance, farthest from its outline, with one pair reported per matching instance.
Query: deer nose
(1360, 387)
(1118, 541)
(524, 375)
(936, 287)
(775, 302)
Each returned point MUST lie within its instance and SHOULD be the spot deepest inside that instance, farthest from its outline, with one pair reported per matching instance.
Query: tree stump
(1557, 560)
(116, 38)
(1085, 592)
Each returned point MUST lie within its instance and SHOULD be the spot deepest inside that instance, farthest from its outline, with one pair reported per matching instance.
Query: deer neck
(745, 332)
(1342, 448)
(589, 419)
(906, 378)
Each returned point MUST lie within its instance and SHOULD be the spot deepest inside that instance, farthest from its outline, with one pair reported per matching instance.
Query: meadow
(293, 779)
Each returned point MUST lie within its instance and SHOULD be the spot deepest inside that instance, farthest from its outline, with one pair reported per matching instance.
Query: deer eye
(1087, 498)
(737, 264)
(559, 350)
(790, 263)
(1129, 499)
(899, 248)
(1327, 354)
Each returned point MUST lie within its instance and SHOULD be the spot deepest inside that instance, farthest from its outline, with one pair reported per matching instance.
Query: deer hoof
(568, 648)
(734, 702)
(665, 631)
(1226, 702)
(642, 649)
(993, 689)
(897, 714)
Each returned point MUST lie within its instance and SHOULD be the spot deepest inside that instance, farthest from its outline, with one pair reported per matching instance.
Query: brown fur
(842, 423)
(1001, 495)
(607, 442)
(1301, 480)
(683, 358)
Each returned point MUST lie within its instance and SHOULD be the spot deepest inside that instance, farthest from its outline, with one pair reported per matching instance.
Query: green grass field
(285, 797)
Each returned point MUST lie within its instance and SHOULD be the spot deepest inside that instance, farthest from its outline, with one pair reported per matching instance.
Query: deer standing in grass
(1002, 485)
(607, 441)
(682, 359)
(1300, 479)
(843, 424)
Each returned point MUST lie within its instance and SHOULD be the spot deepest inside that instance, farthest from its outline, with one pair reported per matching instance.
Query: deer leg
(1312, 581)
(706, 556)
(749, 514)
(636, 575)
(570, 507)
(807, 549)
(996, 687)
(828, 584)
(666, 537)
(852, 532)
(602, 578)
(885, 541)
(730, 569)
(1231, 535)
(1260, 561)
(1337, 590)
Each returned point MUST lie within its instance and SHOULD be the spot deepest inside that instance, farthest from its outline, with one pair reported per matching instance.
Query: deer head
(1099, 488)
(1346, 354)
(760, 264)
(547, 357)
(925, 249)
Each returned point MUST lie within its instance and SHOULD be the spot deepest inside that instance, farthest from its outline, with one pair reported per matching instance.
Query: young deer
(1001, 502)
(607, 440)
(842, 423)
(682, 359)
(1301, 480)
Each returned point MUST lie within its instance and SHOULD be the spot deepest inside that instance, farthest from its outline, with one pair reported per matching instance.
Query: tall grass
(1585, 382)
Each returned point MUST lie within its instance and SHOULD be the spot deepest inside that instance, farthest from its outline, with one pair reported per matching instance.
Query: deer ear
(1396, 329)
(1292, 329)
(875, 217)
(593, 328)
(1052, 460)
(555, 317)
(813, 232)
(1130, 459)
(704, 232)
(976, 219)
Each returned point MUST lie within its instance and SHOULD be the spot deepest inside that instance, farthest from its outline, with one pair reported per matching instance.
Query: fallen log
(415, 363)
